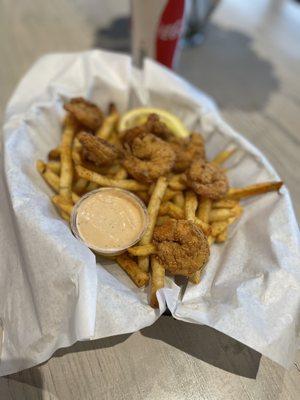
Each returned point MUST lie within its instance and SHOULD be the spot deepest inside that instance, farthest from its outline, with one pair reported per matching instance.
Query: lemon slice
(138, 116)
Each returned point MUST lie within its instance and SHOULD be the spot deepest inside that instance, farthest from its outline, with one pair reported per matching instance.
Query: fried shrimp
(148, 158)
(181, 247)
(207, 180)
(153, 125)
(97, 150)
(87, 113)
(186, 150)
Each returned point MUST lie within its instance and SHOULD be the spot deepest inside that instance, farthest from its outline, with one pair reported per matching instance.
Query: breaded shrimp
(182, 248)
(207, 180)
(97, 150)
(186, 150)
(148, 157)
(87, 113)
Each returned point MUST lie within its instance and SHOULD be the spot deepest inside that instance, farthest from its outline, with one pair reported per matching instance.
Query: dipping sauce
(109, 220)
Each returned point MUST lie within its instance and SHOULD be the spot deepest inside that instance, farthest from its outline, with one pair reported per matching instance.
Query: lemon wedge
(138, 116)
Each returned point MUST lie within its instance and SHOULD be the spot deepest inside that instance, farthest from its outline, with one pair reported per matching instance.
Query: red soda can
(157, 26)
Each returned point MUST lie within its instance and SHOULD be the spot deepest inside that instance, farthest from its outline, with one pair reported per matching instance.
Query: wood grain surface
(250, 64)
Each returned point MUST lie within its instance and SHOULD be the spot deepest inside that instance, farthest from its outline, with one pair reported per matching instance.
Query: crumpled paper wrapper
(54, 292)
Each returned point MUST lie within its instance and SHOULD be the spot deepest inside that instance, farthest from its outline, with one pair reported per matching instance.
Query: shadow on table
(207, 345)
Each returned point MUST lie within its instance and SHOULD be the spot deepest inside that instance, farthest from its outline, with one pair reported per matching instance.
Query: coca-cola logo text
(170, 31)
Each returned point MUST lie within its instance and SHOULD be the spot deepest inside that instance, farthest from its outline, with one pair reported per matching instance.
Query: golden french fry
(91, 186)
(54, 154)
(121, 173)
(54, 166)
(177, 182)
(161, 220)
(221, 214)
(101, 180)
(253, 190)
(178, 199)
(172, 210)
(108, 125)
(66, 175)
(142, 250)
(195, 278)
(140, 278)
(224, 203)
(170, 194)
(204, 209)
(157, 280)
(52, 179)
(191, 204)
(223, 156)
(62, 205)
(222, 237)
(80, 185)
(144, 196)
(76, 152)
(203, 225)
(210, 240)
(153, 208)
(218, 227)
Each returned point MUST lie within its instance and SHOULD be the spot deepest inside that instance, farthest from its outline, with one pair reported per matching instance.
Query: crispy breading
(187, 150)
(87, 113)
(207, 180)
(182, 247)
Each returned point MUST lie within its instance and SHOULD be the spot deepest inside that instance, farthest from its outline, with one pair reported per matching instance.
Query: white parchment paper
(54, 292)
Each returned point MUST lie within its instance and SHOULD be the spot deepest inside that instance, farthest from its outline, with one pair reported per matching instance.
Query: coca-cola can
(157, 26)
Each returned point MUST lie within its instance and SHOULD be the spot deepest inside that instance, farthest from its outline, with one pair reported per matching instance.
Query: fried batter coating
(182, 248)
(87, 113)
(97, 150)
(153, 125)
(148, 158)
(207, 180)
(186, 150)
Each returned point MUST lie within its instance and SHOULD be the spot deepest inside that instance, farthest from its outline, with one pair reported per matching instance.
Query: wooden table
(250, 64)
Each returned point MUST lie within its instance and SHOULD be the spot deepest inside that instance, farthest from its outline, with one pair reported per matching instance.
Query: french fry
(140, 278)
(195, 278)
(62, 205)
(221, 214)
(76, 152)
(171, 210)
(144, 196)
(161, 220)
(177, 182)
(66, 175)
(223, 156)
(178, 199)
(153, 209)
(52, 179)
(169, 195)
(224, 203)
(54, 166)
(121, 173)
(210, 240)
(101, 180)
(157, 280)
(109, 124)
(204, 209)
(222, 237)
(191, 204)
(218, 227)
(91, 186)
(142, 250)
(203, 225)
(253, 190)
(54, 154)
(80, 185)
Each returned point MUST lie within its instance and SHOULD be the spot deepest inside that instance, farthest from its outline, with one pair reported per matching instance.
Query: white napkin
(52, 292)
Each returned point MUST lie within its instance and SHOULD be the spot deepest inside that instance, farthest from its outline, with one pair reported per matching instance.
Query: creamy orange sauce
(109, 219)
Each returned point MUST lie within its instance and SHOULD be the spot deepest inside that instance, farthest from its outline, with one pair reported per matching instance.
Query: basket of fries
(215, 211)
